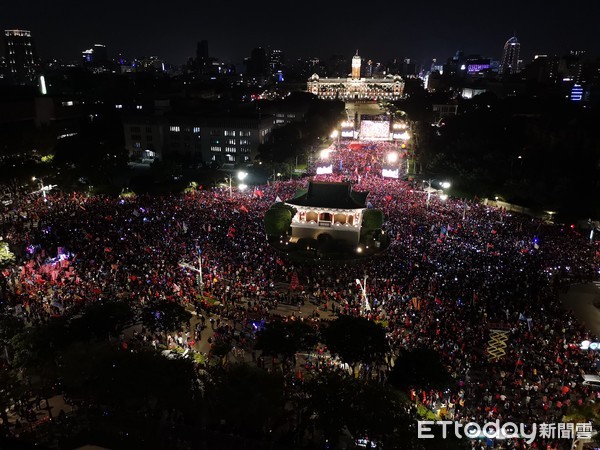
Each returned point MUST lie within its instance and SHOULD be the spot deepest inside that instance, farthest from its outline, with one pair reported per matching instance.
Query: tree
(245, 399)
(420, 368)
(372, 220)
(337, 402)
(36, 348)
(164, 316)
(6, 256)
(221, 347)
(356, 340)
(126, 381)
(10, 326)
(100, 320)
(277, 221)
(285, 339)
(10, 390)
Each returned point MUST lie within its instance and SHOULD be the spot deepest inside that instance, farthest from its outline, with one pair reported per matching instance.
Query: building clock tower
(356, 66)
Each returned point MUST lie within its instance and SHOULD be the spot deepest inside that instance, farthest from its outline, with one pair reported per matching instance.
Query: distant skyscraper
(202, 59)
(96, 55)
(258, 64)
(100, 53)
(509, 63)
(356, 61)
(202, 50)
(21, 58)
(276, 64)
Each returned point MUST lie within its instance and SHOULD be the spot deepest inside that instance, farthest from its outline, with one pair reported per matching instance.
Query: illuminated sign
(588, 345)
(390, 173)
(325, 169)
(576, 93)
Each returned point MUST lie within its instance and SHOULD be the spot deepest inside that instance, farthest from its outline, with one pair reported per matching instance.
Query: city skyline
(415, 31)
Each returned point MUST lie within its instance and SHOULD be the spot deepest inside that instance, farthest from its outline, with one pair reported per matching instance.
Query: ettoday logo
(428, 429)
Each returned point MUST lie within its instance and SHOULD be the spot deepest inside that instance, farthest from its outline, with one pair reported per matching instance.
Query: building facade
(21, 57)
(356, 88)
(509, 64)
(202, 139)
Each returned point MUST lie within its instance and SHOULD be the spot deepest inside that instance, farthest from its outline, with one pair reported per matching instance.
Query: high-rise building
(258, 64)
(96, 55)
(509, 64)
(202, 58)
(276, 64)
(21, 58)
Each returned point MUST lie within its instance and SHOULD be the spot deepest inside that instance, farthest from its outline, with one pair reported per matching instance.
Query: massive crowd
(455, 270)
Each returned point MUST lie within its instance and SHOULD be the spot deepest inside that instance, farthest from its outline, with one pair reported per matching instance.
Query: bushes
(278, 219)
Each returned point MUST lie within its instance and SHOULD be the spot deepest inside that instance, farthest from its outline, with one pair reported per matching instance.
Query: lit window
(229, 133)
(175, 129)
(231, 141)
(230, 150)
(119, 106)
(196, 129)
(138, 106)
(215, 149)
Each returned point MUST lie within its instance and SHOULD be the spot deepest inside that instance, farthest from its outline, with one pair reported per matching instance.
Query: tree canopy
(355, 339)
(286, 338)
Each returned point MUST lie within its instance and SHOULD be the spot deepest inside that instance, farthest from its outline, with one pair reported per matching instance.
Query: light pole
(364, 304)
(41, 187)
(198, 269)
(241, 176)
(443, 185)
(335, 134)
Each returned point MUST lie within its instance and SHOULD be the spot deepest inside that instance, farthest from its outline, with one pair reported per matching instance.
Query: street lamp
(443, 185)
(335, 134)
(241, 176)
(198, 270)
(364, 306)
(392, 157)
(41, 186)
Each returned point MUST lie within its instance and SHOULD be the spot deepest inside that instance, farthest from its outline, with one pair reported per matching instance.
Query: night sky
(420, 30)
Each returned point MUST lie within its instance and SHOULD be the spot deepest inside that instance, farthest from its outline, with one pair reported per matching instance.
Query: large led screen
(374, 129)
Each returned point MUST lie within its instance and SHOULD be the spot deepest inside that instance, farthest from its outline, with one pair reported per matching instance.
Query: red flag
(243, 209)
(294, 283)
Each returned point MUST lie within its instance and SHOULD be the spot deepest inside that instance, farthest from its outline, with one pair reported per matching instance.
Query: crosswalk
(497, 344)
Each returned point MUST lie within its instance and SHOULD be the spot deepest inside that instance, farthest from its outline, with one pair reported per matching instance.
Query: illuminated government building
(356, 88)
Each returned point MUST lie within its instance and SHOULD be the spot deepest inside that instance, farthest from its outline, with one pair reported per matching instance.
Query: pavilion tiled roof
(323, 194)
